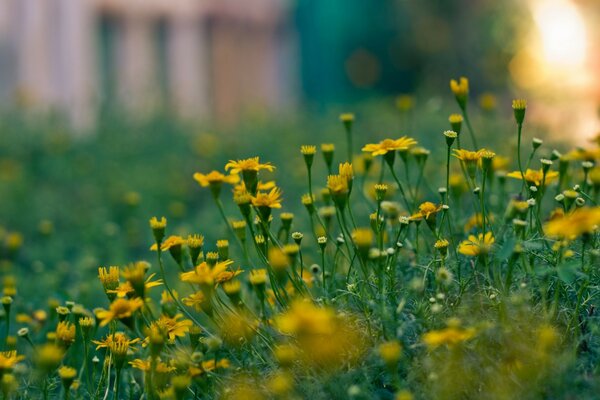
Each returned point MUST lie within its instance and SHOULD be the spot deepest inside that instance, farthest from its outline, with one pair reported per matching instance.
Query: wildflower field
(418, 253)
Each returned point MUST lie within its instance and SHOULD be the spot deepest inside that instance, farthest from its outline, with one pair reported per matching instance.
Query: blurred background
(107, 107)
(222, 59)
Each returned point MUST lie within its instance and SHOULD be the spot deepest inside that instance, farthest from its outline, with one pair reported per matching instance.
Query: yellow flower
(67, 373)
(449, 336)
(169, 242)
(475, 246)
(405, 102)
(215, 178)
(47, 357)
(8, 359)
(337, 184)
(249, 164)
(195, 300)
(208, 366)
(173, 327)
(156, 223)
(271, 199)
(534, 177)
(119, 309)
(346, 171)
(460, 88)
(500, 163)
(258, 277)
(390, 352)
(572, 225)
(109, 278)
(65, 333)
(387, 145)
(426, 210)
(476, 220)
(487, 101)
(204, 274)
(347, 117)
(441, 244)
(467, 156)
(308, 149)
(126, 288)
(115, 337)
(145, 365)
(239, 190)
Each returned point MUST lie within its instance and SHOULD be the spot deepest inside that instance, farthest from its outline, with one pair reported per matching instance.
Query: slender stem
(519, 130)
(470, 127)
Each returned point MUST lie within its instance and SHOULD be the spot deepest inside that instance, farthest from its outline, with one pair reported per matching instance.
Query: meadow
(413, 248)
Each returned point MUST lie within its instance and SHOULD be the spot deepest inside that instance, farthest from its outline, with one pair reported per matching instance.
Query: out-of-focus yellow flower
(258, 277)
(208, 366)
(390, 352)
(405, 102)
(195, 300)
(572, 225)
(449, 336)
(460, 87)
(47, 357)
(323, 338)
(249, 164)
(476, 246)
(534, 177)
(488, 102)
(8, 359)
(476, 220)
(215, 178)
(387, 145)
(145, 365)
(203, 274)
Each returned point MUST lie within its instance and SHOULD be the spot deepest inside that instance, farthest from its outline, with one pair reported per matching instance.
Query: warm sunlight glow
(562, 32)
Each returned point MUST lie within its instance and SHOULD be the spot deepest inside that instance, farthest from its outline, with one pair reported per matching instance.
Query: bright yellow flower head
(169, 242)
(249, 164)
(65, 333)
(8, 359)
(467, 156)
(112, 338)
(572, 225)
(346, 171)
(119, 309)
(475, 246)
(534, 177)
(205, 275)
(271, 199)
(426, 210)
(308, 150)
(173, 327)
(215, 178)
(387, 145)
(109, 278)
(337, 184)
